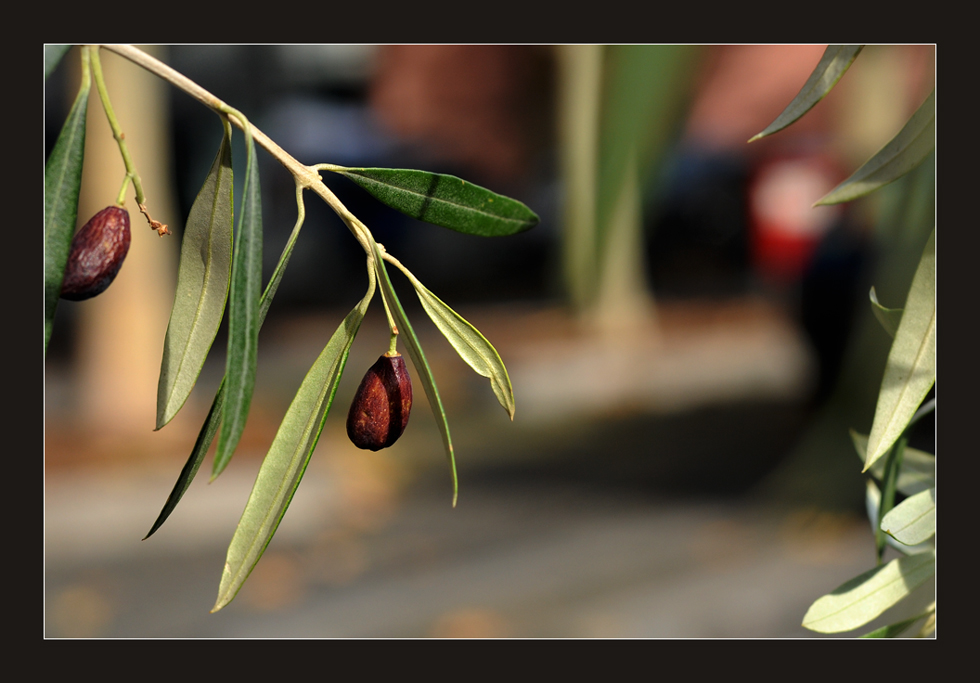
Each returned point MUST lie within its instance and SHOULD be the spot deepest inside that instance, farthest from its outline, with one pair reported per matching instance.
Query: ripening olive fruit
(96, 255)
(380, 409)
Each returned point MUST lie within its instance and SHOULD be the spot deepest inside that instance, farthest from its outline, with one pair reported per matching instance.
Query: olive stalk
(132, 176)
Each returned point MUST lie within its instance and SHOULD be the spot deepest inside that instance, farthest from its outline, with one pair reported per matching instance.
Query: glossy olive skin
(96, 255)
(380, 409)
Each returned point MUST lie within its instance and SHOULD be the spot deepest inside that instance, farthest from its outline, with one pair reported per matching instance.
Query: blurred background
(689, 343)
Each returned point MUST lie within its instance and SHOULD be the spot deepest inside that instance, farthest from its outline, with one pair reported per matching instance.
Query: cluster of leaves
(910, 373)
(220, 267)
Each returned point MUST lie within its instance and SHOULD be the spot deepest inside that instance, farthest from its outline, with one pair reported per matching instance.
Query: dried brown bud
(96, 255)
(380, 409)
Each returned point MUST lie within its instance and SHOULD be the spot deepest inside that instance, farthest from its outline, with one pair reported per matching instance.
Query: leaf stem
(391, 318)
(132, 176)
(893, 466)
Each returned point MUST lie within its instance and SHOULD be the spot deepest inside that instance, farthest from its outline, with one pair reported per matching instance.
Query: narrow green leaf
(202, 285)
(858, 601)
(407, 334)
(284, 465)
(835, 61)
(52, 57)
(912, 521)
(62, 181)
(472, 346)
(243, 312)
(872, 503)
(204, 438)
(893, 630)
(210, 427)
(904, 152)
(911, 368)
(918, 472)
(888, 317)
(444, 200)
(886, 501)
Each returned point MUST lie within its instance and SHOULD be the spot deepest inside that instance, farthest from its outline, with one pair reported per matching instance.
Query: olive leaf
(204, 438)
(471, 345)
(856, 602)
(284, 465)
(418, 359)
(918, 471)
(243, 310)
(913, 521)
(886, 499)
(911, 368)
(202, 285)
(210, 427)
(872, 504)
(904, 152)
(62, 181)
(835, 60)
(443, 200)
(888, 317)
(894, 630)
(53, 55)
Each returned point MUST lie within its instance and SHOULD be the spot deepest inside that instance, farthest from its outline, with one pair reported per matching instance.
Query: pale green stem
(391, 318)
(307, 176)
(117, 133)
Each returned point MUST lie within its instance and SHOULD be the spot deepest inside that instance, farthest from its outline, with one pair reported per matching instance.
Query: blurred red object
(784, 226)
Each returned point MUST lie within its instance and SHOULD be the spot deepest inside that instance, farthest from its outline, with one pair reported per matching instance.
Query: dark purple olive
(380, 409)
(96, 255)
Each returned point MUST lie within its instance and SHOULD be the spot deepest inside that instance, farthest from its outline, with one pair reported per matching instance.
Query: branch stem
(306, 176)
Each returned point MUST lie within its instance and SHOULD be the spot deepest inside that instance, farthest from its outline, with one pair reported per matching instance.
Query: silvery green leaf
(469, 343)
(835, 61)
(913, 521)
(202, 285)
(904, 152)
(911, 369)
(918, 471)
(856, 602)
(415, 352)
(285, 463)
(888, 317)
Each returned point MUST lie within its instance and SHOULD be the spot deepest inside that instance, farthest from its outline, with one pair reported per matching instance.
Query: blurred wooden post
(579, 103)
(624, 301)
(121, 331)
